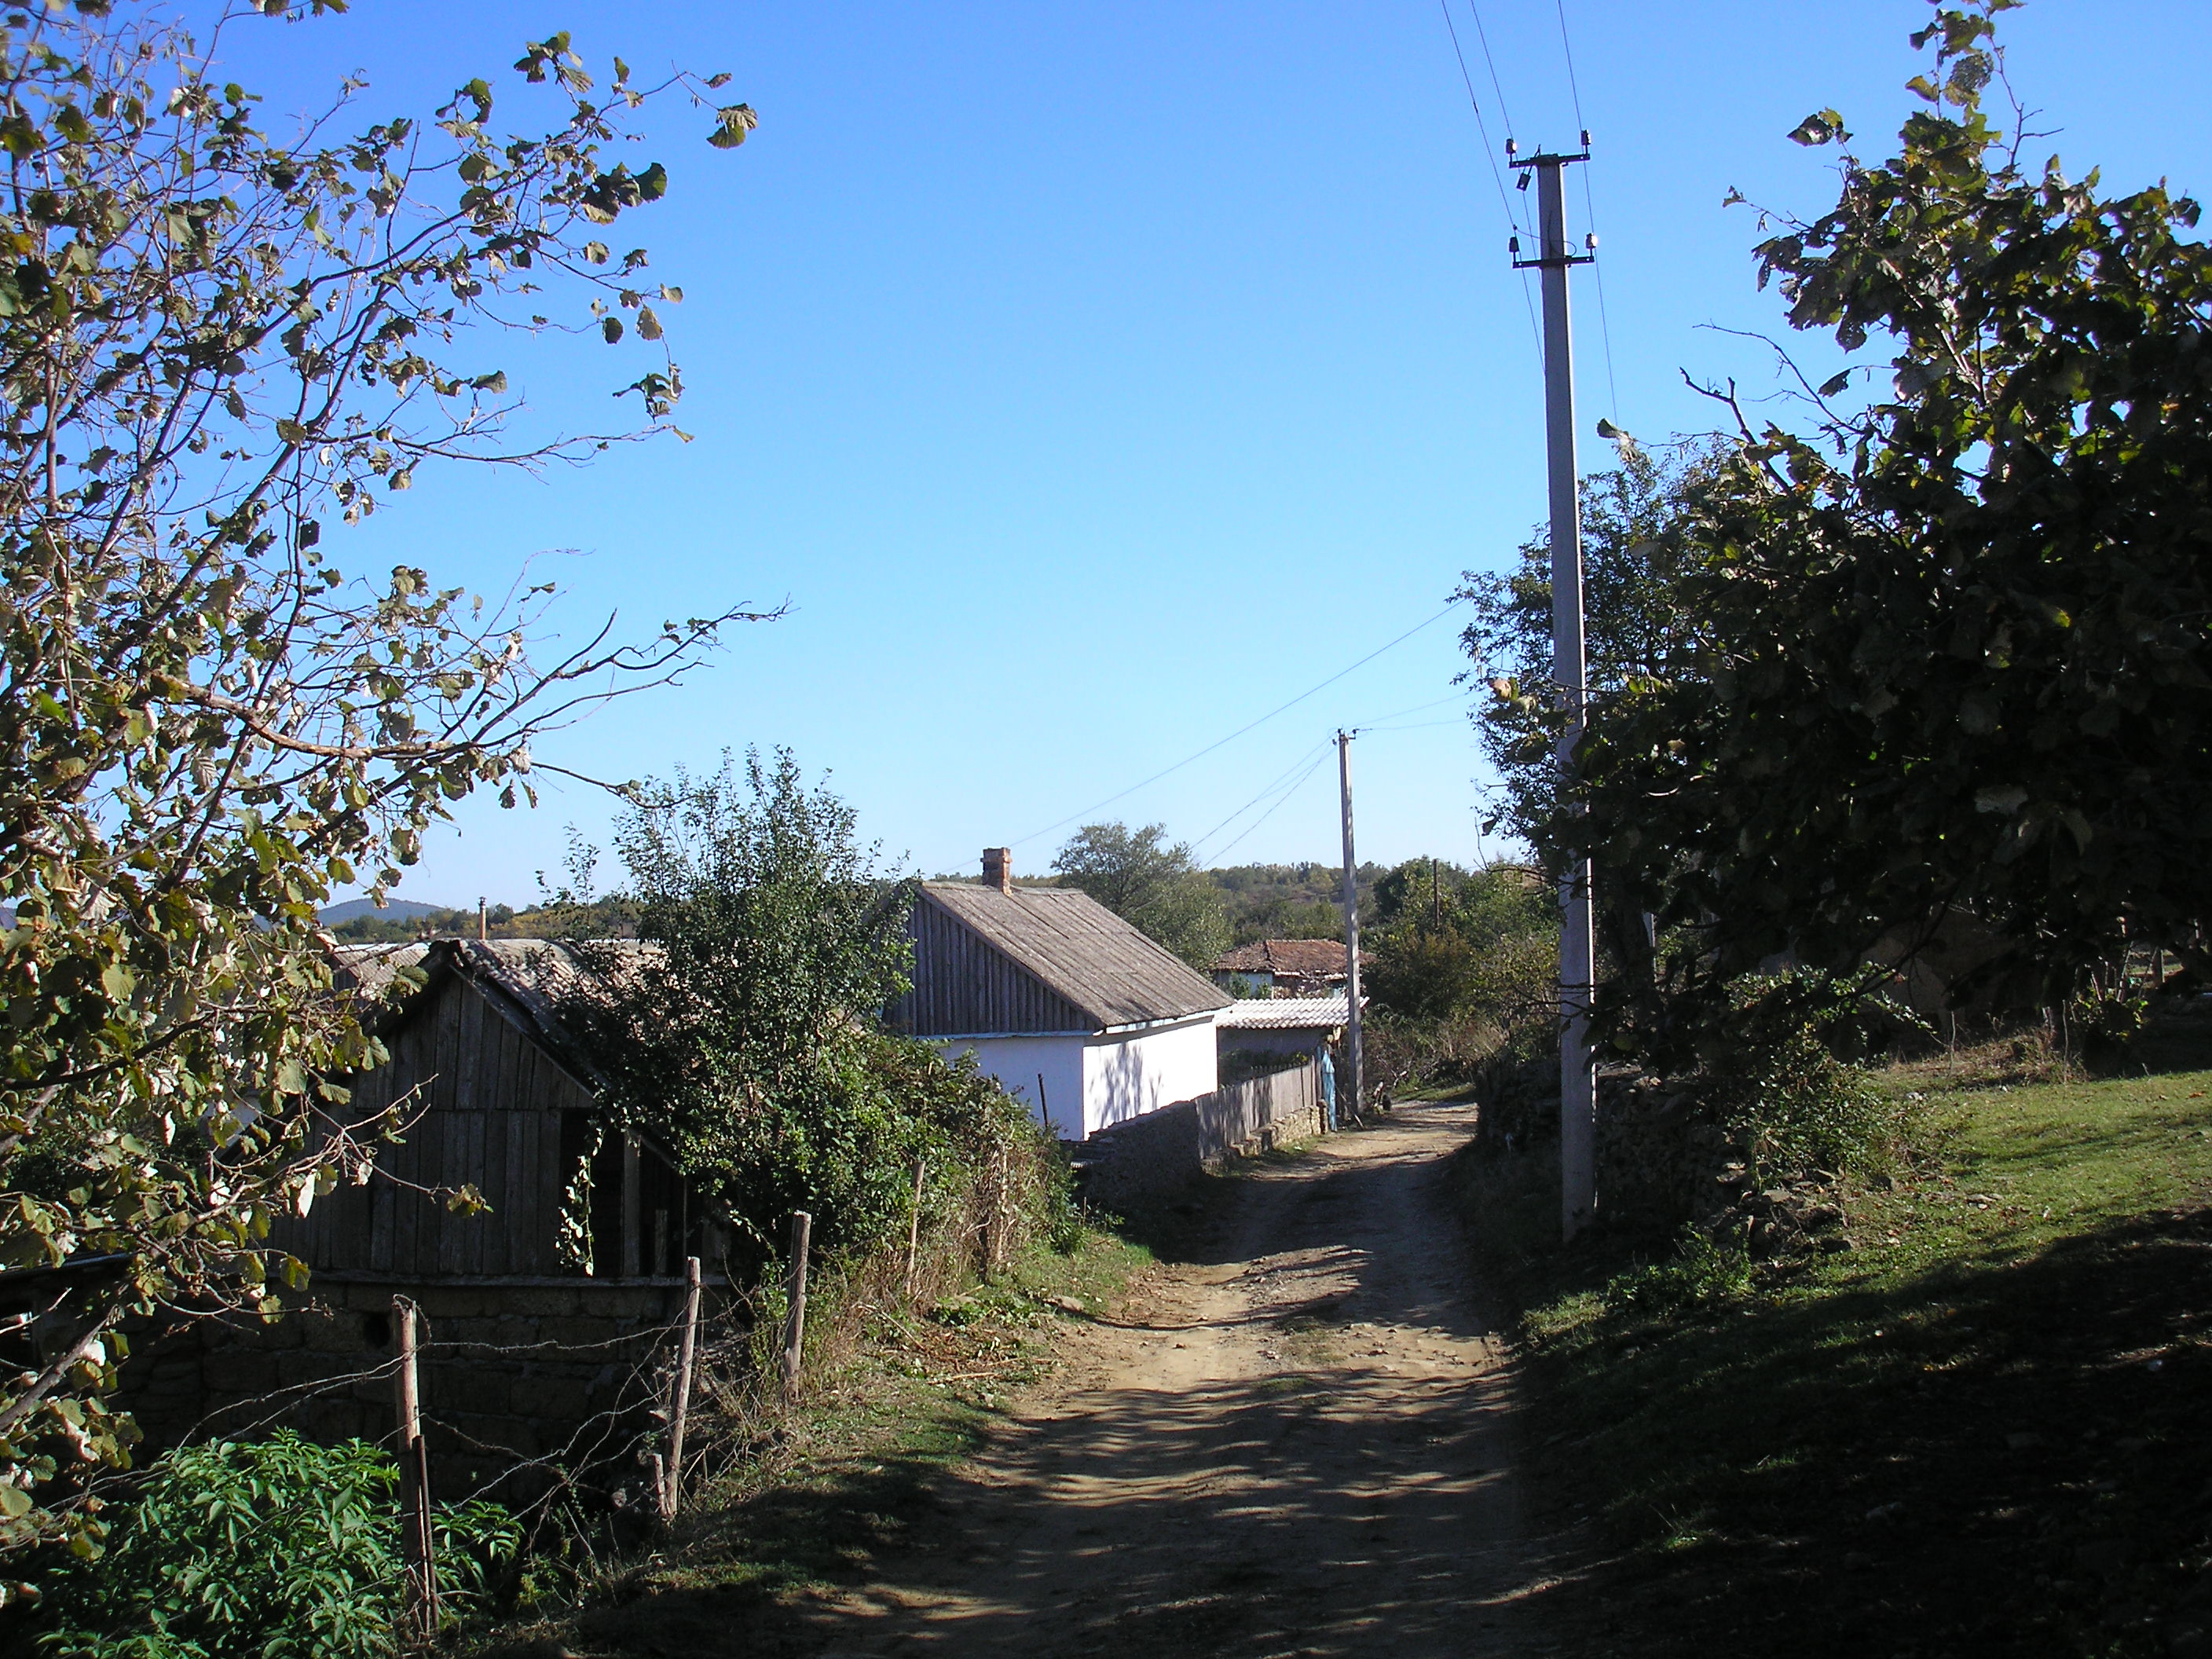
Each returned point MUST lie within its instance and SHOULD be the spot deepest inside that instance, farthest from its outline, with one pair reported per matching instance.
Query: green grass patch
(1977, 1428)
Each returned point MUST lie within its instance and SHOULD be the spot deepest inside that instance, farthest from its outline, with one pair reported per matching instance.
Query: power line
(1375, 725)
(1417, 726)
(1417, 708)
(1589, 210)
(1504, 198)
(1267, 789)
(1496, 176)
(1483, 35)
(1250, 725)
(1319, 762)
(1573, 89)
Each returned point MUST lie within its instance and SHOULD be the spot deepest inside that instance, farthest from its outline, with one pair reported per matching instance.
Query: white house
(1068, 1006)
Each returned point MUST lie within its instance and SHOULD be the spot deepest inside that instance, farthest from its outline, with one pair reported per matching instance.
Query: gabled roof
(1306, 958)
(534, 978)
(1081, 951)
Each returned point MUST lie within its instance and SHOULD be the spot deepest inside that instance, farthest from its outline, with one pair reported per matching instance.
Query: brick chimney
(998, 868)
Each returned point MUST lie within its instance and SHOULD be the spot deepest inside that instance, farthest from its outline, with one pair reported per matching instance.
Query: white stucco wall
(1106, 1077)
(1018, 1062)
(1129, 1073)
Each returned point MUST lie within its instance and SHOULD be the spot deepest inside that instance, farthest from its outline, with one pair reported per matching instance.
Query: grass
(1977, 1429)
(847, 1475)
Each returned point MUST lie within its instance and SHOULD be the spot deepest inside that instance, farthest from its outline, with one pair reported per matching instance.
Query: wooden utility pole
(687, 1352)
(1569, 669)
(419, 1564)
(794, 1317)
(1353, 1067)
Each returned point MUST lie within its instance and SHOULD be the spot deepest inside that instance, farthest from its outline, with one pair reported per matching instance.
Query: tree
(1451, 941)
(1150, 883)
(745, 1037)
(1954, 650)
(217, 344)
(1638, 629)
(777, 929)
(1636, 626)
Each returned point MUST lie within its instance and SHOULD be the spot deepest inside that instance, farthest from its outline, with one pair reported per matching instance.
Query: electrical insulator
(1513, 245)
(1585, 137)
(1590, 241)
(1512, 148)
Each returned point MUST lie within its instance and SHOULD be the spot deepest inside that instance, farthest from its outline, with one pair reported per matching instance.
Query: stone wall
(1147, 1157)
(555, 1369)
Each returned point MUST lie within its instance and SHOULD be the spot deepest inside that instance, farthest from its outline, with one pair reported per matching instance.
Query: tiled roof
(1305, 958)
(1081, 951)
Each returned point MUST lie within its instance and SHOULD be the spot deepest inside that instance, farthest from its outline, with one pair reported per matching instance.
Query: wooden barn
(497, 1095)
(538, 1333)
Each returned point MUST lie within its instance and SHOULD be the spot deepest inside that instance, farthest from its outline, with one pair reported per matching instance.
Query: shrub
(282, 1549)
(1774, 1084)
(1703, 1269)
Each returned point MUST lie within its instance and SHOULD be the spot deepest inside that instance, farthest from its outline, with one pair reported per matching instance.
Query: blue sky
(1090, 378)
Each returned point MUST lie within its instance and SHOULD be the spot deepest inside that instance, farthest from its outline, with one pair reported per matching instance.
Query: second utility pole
(1577, 933)
(1352, 1057)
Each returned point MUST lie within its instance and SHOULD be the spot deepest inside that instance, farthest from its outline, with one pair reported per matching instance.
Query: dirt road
(1292, 1446)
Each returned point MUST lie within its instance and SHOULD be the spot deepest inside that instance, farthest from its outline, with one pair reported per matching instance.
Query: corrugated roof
(1081, 951)
(1305, 958)
(1287, 1014)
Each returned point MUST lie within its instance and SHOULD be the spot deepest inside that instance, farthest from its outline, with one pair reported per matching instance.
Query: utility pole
(1352, 1057)
(1577, 933)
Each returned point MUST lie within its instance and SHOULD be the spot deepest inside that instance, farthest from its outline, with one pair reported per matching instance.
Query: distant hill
(1289, 901)
(397, 909)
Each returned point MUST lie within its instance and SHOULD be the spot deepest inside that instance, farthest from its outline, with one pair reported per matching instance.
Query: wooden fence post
(672, 1479)
(914, 1226)
(794, 1318)
(994, 1215)
(419, 1585)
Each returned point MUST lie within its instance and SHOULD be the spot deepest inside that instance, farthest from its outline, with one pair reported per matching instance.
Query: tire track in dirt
(1295, 1445)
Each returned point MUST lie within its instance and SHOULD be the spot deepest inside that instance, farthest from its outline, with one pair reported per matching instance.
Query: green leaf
(649, 326)
(734, 123)
(1822, 127)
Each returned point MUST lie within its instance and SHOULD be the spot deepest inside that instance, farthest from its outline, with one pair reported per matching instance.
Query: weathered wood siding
(964, 987)
(484, 1104)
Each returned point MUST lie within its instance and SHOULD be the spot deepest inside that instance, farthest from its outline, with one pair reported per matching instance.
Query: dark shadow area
(2176, 1036)
(2007, 1457)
